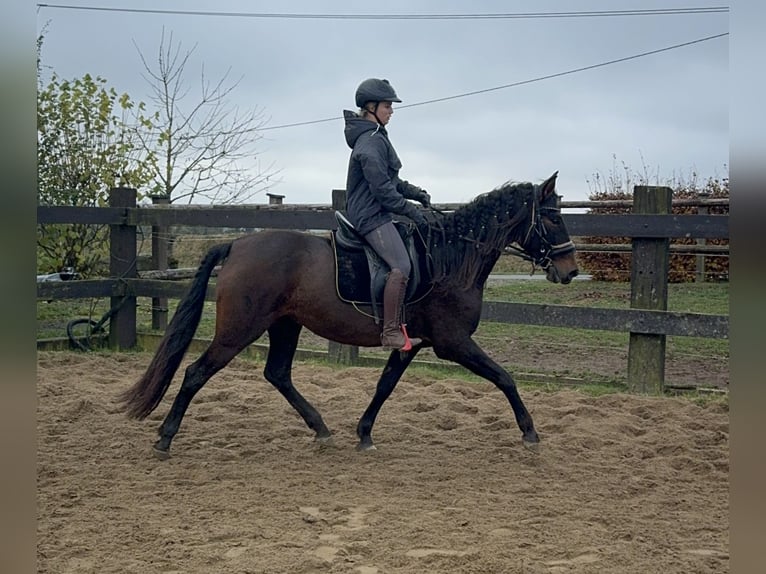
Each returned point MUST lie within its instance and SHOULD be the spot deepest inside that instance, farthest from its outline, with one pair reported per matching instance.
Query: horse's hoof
(325, 441)
(161, 454)
(364, 447)
(532, 446)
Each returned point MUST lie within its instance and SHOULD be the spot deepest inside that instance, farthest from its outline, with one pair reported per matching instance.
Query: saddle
(360, 273)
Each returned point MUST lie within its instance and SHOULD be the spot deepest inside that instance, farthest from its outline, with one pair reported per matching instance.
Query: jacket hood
(356, 126)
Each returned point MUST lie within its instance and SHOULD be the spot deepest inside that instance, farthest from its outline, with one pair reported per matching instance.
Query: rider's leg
(389, 245)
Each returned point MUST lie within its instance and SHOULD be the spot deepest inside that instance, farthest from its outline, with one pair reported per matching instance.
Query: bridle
(544, 258)
(548, 250)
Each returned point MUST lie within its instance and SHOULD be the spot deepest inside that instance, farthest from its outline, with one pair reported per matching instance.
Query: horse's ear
(548, 186)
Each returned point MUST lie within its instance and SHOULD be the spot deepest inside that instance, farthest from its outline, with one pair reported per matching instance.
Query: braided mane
(467, 243)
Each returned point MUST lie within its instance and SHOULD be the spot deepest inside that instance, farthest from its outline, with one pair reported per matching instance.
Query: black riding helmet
(375, 90)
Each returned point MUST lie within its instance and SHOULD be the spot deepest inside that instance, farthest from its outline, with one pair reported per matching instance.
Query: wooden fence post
(649, 290)
(346, 354)
(275, 199)
(700, 262)
(123, 257)
(160, 262)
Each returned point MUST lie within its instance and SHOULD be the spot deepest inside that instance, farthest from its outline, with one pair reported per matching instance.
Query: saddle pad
(352, 275)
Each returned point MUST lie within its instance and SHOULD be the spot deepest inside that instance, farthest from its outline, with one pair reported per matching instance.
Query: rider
(375, 192)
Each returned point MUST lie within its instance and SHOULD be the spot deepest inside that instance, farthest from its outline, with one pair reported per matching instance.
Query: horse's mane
(466, 243)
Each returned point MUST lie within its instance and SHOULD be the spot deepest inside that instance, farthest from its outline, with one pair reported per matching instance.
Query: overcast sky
(665, 114)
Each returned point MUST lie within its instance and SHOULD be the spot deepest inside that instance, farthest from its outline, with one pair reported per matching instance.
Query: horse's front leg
(396, 365)
(468, 354)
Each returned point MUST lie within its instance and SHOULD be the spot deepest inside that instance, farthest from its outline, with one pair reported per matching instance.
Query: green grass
(53, 316)
(711, 298)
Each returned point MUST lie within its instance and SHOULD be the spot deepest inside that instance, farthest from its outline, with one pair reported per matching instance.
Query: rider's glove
(424, 198)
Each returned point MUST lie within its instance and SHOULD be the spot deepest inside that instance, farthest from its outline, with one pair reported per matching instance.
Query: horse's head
(547, 241)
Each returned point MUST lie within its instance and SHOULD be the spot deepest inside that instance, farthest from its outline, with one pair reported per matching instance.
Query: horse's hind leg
(283, 340)
(396, 365)
(197, 374)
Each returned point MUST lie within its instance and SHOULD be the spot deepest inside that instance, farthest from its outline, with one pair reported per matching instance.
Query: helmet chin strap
(374, 112)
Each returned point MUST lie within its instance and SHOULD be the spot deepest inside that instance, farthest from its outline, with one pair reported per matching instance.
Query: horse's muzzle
(569, 276)
(554, 275)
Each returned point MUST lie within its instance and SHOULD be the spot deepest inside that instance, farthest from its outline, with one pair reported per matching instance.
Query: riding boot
(394, 336)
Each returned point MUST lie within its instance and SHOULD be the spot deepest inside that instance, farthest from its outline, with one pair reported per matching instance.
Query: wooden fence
(651, 225)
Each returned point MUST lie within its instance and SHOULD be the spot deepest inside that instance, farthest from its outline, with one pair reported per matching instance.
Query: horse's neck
(475, 266)
(486, 269)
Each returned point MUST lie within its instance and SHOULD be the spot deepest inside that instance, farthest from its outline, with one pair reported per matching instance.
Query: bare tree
(205, 147)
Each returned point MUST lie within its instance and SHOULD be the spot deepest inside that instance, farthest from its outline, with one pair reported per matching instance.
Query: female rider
(375, 192)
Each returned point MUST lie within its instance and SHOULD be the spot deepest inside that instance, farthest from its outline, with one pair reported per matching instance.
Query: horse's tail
(143, 397)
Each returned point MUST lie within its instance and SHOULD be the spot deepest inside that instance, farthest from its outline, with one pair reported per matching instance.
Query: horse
(280, 281)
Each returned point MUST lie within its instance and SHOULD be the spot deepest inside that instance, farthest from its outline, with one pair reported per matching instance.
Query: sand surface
(622, 483)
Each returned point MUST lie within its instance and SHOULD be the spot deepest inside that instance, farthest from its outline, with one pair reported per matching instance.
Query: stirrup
(409, 343)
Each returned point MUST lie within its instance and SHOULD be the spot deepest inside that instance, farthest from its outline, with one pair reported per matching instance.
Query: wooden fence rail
(544, 315)
(647, 321)
(249, 217)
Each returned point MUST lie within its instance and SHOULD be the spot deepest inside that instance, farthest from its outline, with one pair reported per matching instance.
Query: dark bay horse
(281, 281)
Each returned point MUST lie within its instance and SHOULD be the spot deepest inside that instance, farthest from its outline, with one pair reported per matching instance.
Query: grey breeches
(387, 243)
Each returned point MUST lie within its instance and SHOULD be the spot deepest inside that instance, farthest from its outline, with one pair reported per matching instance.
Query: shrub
(610, 266)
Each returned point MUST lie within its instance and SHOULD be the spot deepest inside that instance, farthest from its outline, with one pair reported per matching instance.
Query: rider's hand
(424, 198)
(418, 218)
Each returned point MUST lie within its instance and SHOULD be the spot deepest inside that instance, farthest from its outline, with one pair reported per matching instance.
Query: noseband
(544, 258)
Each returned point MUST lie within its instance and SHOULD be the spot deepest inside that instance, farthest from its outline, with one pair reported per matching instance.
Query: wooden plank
(235, 217)
(680, 202)
(603, 319)
(98, 341)
(172, 290)
(591, 318)
(77, 289)
(174, 274)
(705, 249)
(88, 215)
(642, 225)
(578, 224)
(649, 290)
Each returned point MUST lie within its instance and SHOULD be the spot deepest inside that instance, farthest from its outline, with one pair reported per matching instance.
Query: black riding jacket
(373, 189)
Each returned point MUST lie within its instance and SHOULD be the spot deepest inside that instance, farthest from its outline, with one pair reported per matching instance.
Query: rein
(548, 251)
(530, 227)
